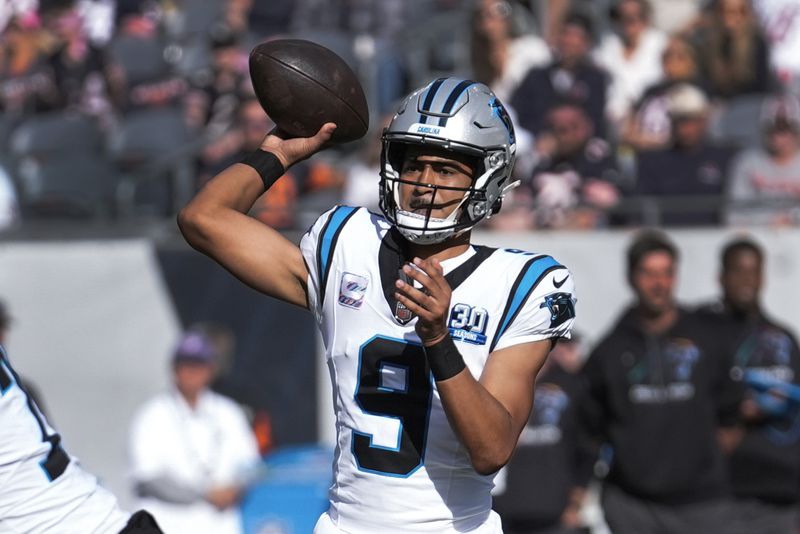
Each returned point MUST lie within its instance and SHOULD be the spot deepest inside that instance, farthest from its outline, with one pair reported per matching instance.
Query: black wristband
(444, 359)
(266, 164)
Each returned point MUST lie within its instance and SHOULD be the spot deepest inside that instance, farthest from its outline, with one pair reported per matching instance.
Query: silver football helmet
(458, 115)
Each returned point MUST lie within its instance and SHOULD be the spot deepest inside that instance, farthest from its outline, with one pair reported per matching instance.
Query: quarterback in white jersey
(433, 344)
(396, 450)
(42, 489)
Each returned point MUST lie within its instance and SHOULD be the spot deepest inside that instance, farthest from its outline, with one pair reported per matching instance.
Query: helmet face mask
(455, 116)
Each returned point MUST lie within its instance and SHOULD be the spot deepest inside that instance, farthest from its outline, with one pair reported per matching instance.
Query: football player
(433, 344)
(42, 488)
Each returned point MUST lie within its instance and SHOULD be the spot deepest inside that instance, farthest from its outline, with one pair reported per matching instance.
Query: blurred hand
(224, 497)
(571, 516)
(546, 145)
(291, 150)
(600, 193)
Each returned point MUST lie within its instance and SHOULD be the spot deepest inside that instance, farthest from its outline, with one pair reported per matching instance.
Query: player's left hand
(431, 302)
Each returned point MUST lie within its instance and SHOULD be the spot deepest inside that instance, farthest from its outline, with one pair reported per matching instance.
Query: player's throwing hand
(430, 303)
(290, 150)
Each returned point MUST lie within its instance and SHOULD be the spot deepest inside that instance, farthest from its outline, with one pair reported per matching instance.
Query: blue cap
(195, 347)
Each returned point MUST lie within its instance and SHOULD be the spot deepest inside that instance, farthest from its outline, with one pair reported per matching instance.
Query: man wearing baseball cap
(765, 182)
(690, 167)
(192, 450)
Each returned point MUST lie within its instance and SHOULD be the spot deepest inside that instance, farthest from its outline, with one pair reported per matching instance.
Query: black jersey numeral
(393, 381)
(57, 459)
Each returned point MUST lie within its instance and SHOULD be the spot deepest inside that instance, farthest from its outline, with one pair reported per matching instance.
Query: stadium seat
(739, 122)
(198, 17)
(148, 133)
(59, 132)
(153, 148)
(8, 123)
(142, 60)
(66, 186)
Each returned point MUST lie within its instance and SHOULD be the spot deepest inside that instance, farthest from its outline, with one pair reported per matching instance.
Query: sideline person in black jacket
(658, 391)
(543, 484)
(765, 458)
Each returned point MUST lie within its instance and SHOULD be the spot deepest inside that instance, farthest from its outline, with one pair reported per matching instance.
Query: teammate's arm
(487, 414)
(216, 223)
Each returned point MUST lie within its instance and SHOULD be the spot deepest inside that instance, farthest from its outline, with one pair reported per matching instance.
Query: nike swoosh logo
(561, 283)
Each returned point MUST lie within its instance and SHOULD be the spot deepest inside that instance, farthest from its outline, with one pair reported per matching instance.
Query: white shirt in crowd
(525, 53)
(210, 446)
(781, 22)
(632, 75)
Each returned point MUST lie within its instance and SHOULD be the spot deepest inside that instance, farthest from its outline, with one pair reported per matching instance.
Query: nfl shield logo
(352, 290)
(402, 314)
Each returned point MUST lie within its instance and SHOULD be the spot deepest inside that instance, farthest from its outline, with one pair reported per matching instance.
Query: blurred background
(680, 114)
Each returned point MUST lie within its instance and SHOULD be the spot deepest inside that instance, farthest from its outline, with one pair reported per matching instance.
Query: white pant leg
(493, 525)
(325, 525)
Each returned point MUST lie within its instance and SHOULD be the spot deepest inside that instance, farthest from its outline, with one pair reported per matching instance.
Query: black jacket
(658, 401)
(766, 463)
(549, 459)
(674, 172)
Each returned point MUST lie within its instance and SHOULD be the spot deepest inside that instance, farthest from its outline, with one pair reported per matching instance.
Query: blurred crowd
(629, 112)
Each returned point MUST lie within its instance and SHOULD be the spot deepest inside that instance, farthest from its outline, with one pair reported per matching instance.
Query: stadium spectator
(78, 68)
(541, 493)
(733, 53)
(648, 125)
(658, 392)
(691, 166)
(11, 9)
(25, 86)
(780, 20)
(98, 19)
(576, 179)
(502, 50)
(228, 84)
(764, 462)
(362, 172)
(570, 76)
(138, 61)
(631, 56)
(765, 182)
(192, 451)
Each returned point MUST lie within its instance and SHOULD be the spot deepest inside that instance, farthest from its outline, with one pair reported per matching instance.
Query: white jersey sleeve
(317, 246)
(541, 305)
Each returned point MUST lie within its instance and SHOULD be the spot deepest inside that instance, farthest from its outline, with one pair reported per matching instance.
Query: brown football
(302, 85)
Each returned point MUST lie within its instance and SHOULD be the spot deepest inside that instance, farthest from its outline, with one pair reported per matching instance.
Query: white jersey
(43, 489)
(399, 467)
